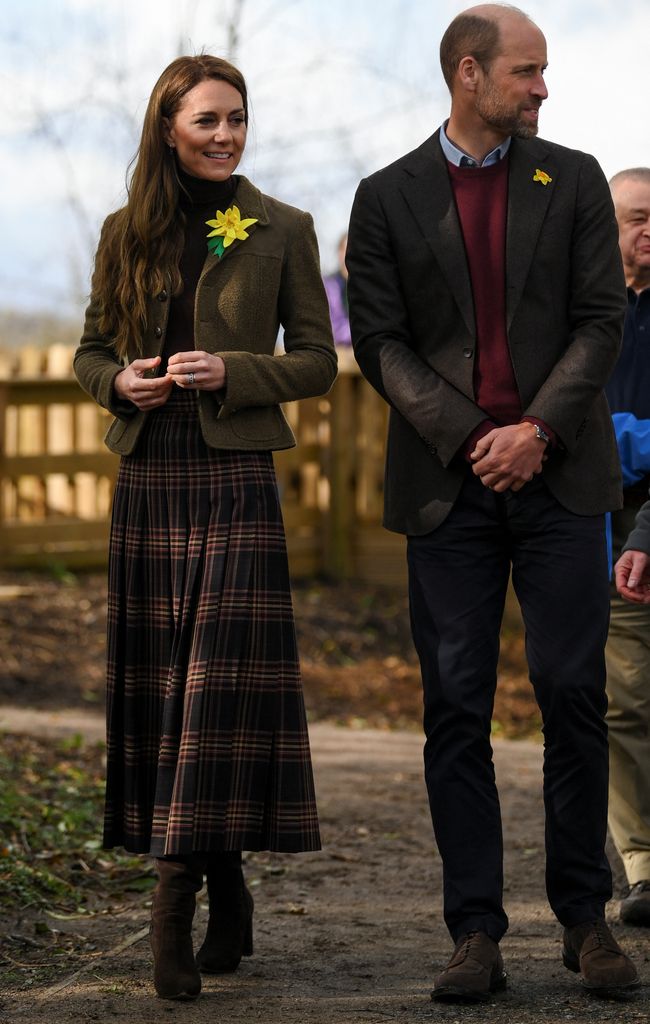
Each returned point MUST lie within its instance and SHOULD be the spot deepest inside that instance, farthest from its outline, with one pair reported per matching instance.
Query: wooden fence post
(338, 539)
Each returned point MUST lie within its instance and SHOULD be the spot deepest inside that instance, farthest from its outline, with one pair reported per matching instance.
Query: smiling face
(632, 203)
(511, 90)
(208, 131)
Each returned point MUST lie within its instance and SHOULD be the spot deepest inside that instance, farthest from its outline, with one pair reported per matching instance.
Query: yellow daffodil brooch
(542, 176)
(226, 228)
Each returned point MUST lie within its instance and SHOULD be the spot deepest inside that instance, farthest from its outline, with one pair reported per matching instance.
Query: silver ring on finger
(190, 378)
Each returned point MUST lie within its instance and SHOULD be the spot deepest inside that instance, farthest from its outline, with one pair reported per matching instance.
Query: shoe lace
(605, 937)
(602, 932)
(463, 950)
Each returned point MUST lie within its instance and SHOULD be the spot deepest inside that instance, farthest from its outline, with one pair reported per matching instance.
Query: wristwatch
(541, 434)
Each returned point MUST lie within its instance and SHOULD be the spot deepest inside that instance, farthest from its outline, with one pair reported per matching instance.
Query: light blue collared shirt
(460, 159)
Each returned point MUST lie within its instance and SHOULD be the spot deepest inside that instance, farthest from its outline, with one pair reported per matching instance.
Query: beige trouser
(628, 718)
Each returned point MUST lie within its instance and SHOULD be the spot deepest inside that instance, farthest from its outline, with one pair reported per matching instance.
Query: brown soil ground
(348, 935)
(358, 663)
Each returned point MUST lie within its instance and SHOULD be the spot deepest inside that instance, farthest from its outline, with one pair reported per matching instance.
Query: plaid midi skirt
(207, 744)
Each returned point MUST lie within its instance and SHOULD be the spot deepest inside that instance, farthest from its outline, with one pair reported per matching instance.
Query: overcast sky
(338, 89)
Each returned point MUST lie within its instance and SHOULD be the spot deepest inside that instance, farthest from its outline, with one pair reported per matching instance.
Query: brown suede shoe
(474, 971)
(591, 950)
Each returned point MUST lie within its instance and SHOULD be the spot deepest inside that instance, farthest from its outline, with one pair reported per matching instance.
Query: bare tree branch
(234, 29)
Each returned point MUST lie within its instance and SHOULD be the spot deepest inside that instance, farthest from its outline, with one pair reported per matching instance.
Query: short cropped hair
(471, 35)
(631, 174)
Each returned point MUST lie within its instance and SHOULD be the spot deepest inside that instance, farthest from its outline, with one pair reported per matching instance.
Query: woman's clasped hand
(198, 370)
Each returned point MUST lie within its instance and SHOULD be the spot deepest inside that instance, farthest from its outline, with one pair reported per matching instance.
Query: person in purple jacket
(336, 286)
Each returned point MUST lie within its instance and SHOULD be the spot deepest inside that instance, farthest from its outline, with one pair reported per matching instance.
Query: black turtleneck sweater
(199, 200)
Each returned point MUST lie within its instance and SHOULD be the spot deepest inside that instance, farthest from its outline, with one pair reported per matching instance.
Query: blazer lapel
(250, 203)
(528, 202)
(427, 190)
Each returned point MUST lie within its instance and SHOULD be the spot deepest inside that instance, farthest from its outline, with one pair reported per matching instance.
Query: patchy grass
(52, 867)
(51, 806)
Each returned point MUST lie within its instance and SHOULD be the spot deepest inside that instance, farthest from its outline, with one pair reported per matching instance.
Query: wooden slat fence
(56, 475)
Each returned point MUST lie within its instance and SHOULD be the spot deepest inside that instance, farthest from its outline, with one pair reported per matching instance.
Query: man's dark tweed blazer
(414, 335)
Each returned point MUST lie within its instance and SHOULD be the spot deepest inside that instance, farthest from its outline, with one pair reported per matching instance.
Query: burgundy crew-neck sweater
(481, 195)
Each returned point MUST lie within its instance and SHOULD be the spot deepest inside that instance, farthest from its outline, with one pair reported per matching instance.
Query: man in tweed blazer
(487, 299)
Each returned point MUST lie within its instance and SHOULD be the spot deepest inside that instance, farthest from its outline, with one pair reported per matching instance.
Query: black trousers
(458, 577)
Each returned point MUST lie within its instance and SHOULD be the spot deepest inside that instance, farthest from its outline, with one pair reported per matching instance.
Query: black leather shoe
(473, 973)
(591, 950)
(635, 904)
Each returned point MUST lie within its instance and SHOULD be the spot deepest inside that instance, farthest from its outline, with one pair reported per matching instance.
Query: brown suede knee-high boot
(175, 972)
(230, 926)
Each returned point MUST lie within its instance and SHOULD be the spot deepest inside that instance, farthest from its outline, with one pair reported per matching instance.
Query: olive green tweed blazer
(272, 278)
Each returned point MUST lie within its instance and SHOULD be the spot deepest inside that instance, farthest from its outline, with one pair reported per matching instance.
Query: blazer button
(158, 332)
(163, 296)
(468, 353)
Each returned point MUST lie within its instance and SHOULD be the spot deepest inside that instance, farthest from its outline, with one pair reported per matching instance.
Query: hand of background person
(508, 457)
(144, 392)
(632, 575)
(209, 370)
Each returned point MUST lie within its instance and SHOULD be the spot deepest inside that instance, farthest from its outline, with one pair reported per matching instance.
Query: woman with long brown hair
(207, 742)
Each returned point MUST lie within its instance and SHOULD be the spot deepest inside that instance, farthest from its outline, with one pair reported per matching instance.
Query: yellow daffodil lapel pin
(226, 228)
(542, 176)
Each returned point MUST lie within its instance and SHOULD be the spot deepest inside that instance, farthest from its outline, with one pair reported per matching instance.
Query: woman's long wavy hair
(142, 243)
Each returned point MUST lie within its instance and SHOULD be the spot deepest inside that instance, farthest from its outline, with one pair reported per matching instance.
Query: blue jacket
(633, 440)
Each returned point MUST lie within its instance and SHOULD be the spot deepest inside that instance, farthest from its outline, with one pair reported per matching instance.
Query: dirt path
(352, 934)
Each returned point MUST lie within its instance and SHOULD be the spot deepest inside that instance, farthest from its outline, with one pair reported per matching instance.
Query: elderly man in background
(628, 645)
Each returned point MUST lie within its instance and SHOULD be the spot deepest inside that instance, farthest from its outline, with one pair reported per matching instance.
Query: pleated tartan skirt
(207, 744)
